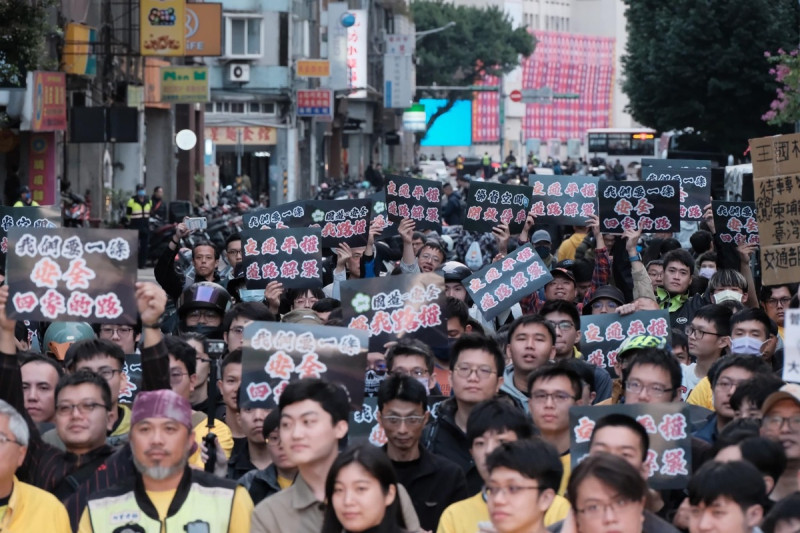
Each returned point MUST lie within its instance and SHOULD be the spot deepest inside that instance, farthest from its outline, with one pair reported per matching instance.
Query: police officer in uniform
(138, 213)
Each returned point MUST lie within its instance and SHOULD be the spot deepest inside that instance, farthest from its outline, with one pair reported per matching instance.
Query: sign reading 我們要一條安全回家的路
(694, 177)
(652, 207)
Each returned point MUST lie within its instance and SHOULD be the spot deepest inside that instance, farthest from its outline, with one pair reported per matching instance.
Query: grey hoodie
(511, 390)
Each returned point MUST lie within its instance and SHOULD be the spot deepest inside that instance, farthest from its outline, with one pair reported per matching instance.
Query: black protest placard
(392, 307)
(25, 217)
(499, 285)
(563, 200)
(72, 274)
(292, 256)
(379, 215)
(603, 334)
(415, 198)
(694, 177)
(364, 425)
(131, 382)
(341, 220)
(669, 458)
(653, 207)
(277, 353)
(288, 215)
(735, 221)
(490, 204)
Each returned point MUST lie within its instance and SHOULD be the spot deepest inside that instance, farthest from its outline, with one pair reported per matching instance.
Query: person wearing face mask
(25, 198)
(750, 335)
(138, 215)
(707, 264)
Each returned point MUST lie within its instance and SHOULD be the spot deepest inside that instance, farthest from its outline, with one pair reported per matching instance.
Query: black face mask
(543, 251)
(209, 332)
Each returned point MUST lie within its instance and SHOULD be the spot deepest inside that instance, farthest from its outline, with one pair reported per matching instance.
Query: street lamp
(420, 34)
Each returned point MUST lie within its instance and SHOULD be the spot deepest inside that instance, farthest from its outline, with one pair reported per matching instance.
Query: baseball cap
(790, 391)
(541, 235)
(564, 273)
(606, 291)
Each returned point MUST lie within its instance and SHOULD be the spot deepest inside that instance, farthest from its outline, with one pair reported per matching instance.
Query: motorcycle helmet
(60, 336)
(454, 271)
(204, 295)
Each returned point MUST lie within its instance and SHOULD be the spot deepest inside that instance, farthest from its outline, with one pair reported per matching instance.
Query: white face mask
(727, 294)
(746, 346)
(707, 272)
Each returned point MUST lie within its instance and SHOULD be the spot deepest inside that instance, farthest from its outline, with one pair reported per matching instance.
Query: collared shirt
(33, 509)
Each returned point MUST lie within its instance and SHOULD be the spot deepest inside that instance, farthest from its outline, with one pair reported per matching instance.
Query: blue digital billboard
(454, 128)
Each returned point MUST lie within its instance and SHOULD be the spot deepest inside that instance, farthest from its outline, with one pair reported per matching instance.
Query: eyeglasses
(239, 330)
(699, 333)
(776, 422)
(202, 313)
(600, 305)
(558, 397)
(176, 377)
(108, 373)
(5, 438)
(490, 491)
(728, 384)
(775, 302)
(416, 372)
(436, 258)
(233, 252)
(110, 331)
(84, 408)
(564, 325)
(465, 371)
(654, 389)
(397, 421)
(596, 510)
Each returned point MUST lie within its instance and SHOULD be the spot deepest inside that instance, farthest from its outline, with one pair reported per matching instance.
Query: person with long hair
(361, 493)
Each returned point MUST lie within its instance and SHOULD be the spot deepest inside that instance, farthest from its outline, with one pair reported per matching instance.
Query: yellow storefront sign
(313, 68)
(162, 25)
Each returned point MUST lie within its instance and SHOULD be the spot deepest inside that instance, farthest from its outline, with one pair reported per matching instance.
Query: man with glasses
(781, 422)
(776, 299)
(553, 390)
(427, 259)
(124, 336)
(709, 337)
(653, 376)
(476, 366)
(606, 299)
(433, 482)
(566, 320)
(233, 255)
(728, 374)
(523, 479)
(410, 357)
(23, 507)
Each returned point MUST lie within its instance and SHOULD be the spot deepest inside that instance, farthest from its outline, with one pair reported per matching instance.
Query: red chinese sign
(228, 135)
(315, 103)
(49, 101)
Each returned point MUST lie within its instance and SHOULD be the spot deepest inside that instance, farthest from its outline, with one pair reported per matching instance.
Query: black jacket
(433, 483)
(451, 212)
(169, 279)
(443, 437)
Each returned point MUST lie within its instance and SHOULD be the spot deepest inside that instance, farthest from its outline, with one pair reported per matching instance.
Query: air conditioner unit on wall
(239, 73)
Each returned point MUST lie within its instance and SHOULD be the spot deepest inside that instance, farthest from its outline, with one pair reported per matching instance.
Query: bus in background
(604, 146)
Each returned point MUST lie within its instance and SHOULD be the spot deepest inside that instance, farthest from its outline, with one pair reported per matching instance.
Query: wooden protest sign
(364, 425)
(131, 378)
(653, 207)
(72, 274)
(499, 285)
(292, 256)
(277, 353)
(490, 204)
(735, 221)
(563, 200)
(341, 220)
(669, 458)
(776, 184)
(392, 307)
(288, 215)
(603, 334)
(791, 344)
(694, 177)
(415, 198)
(25, 217)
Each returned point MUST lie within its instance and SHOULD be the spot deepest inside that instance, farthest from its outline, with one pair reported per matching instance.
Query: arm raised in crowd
(602, 265)
(151, 301)
(745, 251)
(408, 263)
(642, 287)
(165, 267)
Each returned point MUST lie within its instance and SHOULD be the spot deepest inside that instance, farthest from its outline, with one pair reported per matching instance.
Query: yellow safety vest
(206, 508)
(138, 210)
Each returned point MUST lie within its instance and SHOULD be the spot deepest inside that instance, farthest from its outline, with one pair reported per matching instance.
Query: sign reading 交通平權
(415, 198)
(292, 256)
(563, 200)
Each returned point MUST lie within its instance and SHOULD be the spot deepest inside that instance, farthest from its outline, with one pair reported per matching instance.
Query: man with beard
(165, 491)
